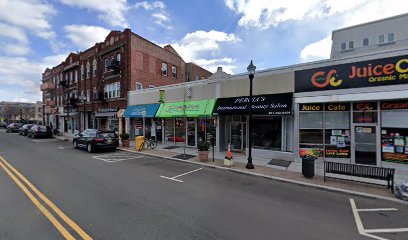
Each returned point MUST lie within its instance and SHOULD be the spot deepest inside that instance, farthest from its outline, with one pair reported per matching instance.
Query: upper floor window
(76, 76)
(106, 64)
(152, 86)
(118, 57)
(82, 72)
(343, 46)
(164, 69)
(351, 44)
(88, 70)
(94, 68)
(391, 37)
(365, 42)
(71, 79)
(139, 86)
(381, 39)
(174, 72)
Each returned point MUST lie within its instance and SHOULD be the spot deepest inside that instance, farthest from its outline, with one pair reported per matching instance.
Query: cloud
(111, 11)
(21, 77)
(83, 36)
(204, 49)
(33, 15)
(270, 13)
(367, 12)
(160, 16)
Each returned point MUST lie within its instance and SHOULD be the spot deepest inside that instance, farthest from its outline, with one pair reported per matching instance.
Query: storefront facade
(107, 118)
(271, 123)
(143, 122)
(354, 112)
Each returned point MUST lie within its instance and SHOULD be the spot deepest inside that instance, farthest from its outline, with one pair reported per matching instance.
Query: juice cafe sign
(378, 72)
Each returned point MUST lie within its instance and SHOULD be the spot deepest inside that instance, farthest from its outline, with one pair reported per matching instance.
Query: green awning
(201, 108)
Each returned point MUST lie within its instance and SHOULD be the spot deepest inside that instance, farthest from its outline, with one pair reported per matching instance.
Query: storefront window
(180, 131)
(337, 134)
(394, 133)
(169, 129)
(267, 133)
(311, 133)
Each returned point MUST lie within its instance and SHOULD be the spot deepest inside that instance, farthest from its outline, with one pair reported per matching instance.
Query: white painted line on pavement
(36, 141)
(61, 147)
(366, 232)
(173, 179)
(177, 180)
(390, 230)
(112, 158)
(376, 209)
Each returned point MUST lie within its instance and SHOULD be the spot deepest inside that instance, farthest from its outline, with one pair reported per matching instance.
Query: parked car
(14, 127)
(24, 129)
(39, 131)
(3, 125)
(93, 139)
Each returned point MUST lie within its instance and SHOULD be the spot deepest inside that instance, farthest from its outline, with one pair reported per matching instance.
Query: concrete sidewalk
(291, 174)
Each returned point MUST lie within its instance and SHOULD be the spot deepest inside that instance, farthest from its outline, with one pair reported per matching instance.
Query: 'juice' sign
(378, 72)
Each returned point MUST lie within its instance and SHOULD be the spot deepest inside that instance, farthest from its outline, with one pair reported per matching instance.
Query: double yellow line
(20, 180)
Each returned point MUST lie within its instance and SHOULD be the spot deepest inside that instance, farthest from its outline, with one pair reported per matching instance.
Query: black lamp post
(251, 71)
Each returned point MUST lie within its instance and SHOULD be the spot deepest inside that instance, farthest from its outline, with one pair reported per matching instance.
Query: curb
(316, 186)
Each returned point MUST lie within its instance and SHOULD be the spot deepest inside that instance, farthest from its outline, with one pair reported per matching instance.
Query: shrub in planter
(125, 139)
(203, 151)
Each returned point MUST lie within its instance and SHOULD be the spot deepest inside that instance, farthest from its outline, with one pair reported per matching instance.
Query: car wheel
(8, 130)
(75, 143)
(90, 148)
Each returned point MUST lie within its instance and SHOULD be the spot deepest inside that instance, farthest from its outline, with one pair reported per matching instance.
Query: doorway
(238, 136)
(191, 133)
(365, 144)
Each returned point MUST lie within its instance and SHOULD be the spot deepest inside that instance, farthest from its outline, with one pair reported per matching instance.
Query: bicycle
(148, 143)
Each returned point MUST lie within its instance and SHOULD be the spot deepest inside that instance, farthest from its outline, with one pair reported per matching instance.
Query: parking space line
(112, 158)
(367, 232)
(178, 180)
(376, 209)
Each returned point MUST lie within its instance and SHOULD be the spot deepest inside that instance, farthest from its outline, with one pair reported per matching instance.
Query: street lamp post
(64, 85)
(251, 71)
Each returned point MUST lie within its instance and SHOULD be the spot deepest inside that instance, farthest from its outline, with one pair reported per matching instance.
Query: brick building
(89, 89)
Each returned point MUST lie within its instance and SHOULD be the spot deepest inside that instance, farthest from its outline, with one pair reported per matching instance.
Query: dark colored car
(14, 127)
(24, 129)
(3, 125)
(93, 139)
(39, 131)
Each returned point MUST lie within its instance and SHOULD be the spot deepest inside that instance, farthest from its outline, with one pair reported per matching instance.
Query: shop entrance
(238, 136)
(365, 144)
(191, 133)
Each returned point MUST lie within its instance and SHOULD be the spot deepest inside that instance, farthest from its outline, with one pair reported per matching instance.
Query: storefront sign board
(201, 108)
(377, 72)
(272, 104)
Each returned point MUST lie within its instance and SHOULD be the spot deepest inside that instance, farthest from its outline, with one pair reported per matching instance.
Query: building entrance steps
(292, 173)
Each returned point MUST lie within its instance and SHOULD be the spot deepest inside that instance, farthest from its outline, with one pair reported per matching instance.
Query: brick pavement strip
(338, 185)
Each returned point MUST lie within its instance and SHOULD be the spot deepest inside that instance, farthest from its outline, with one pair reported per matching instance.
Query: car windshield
(107, 134)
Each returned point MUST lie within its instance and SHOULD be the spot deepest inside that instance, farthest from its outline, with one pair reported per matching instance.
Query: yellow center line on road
(5, 165)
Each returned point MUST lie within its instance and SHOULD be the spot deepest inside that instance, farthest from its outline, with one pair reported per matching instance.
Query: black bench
(380, 173)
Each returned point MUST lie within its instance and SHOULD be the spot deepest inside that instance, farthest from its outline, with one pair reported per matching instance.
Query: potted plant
(203, 151)
(125, 139)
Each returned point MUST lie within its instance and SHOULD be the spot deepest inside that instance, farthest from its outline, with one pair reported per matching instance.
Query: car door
(82, 138)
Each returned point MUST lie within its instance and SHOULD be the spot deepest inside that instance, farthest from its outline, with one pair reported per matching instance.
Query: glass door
(236, 136)
(365, 144)
(191, 133)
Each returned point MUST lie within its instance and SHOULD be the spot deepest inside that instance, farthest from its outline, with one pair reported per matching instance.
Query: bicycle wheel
(153, 144)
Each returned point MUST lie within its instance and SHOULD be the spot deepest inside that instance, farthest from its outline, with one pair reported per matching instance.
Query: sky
(36, 34)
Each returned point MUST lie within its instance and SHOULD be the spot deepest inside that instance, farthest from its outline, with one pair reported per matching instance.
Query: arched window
(94, 68)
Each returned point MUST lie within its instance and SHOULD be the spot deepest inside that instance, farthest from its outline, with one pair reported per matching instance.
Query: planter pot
(125, 143)
(203, 156)
(228, 163)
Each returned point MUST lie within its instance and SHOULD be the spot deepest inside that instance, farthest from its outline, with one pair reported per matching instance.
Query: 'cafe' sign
(330, 107)
(378, 72)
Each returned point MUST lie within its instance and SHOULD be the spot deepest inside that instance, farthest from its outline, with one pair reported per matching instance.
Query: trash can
(308, 166)
(139, 143)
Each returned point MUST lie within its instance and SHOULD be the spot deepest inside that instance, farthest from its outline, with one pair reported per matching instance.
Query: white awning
(106, 114)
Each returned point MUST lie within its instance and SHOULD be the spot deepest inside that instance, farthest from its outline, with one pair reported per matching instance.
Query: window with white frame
(110, 90)
(88, 95)
(365, 42)
(76, 76)
(95, 94)
(351, 44)
(118, 57)
(391, 37)
(94, 68)
(174, 72)
(82, 72)
(118, 89)
(139, 86)
(343, 46)
(82, 94)
(71, 79)
(105, 90)
(114, 90)
(106, 65)
(88, 70)
(164, 69)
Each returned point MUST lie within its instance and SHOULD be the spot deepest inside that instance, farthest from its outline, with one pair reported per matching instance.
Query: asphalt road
(123, 196)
